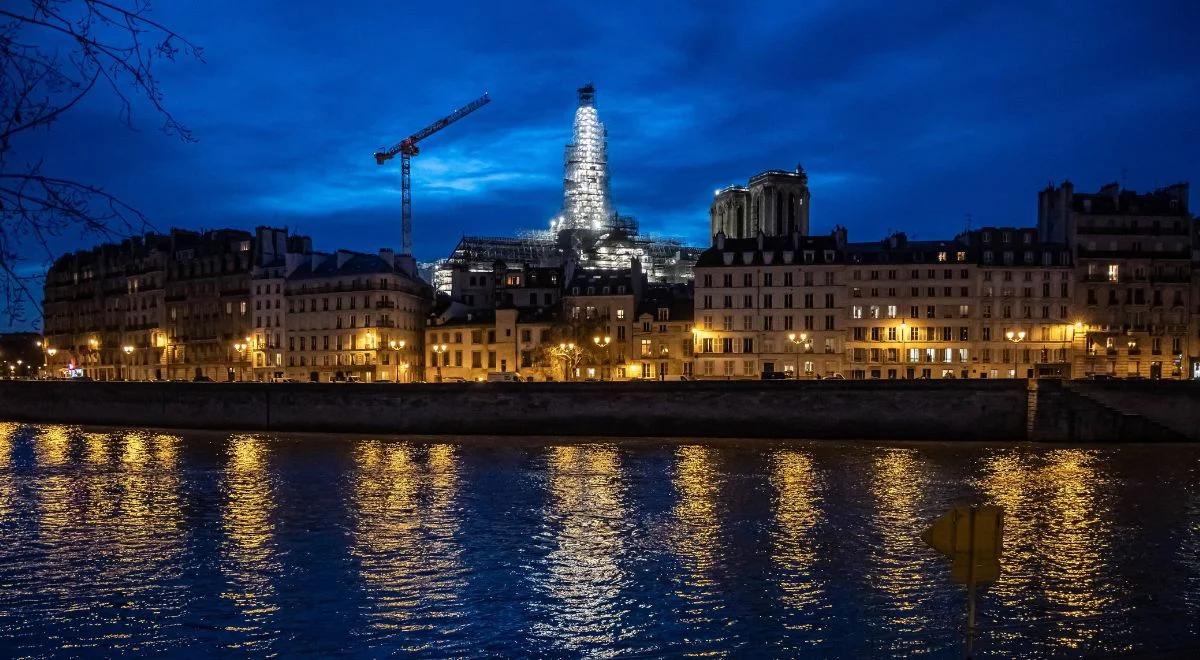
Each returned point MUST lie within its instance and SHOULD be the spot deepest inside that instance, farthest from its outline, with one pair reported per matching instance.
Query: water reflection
(1057, 543)
(797, 512)
(1075, 546)
(900, 566)
(249, 560)
(698, 546)
(405, 539)
(586, 516)
(131, 542)
(8, 432)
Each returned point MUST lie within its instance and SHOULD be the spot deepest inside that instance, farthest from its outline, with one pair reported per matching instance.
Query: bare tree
(53, 53)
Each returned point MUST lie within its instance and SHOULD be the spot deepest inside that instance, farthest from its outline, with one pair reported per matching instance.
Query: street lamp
(128, 352)
(241, 347)
(803, 341)
(438, 349)
(603, 342)
(397, 346)
(1015, 338)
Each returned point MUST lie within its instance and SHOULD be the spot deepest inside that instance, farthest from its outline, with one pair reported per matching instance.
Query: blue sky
(906, 115)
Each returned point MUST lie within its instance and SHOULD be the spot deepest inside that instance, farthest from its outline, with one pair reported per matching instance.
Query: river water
(136, 541)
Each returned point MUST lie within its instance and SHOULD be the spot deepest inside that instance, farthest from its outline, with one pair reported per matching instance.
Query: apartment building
(1024, 292)
(352, 316)
(770, 304)
(1136, 294)
(497, 320)
(912, 309)
(508, 340)
(151, 307)
(662, 334)
(600, 303)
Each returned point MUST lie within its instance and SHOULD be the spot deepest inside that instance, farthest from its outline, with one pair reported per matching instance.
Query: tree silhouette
(53, 53)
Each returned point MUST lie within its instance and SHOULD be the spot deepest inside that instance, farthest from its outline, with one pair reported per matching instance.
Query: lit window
(1114, 272)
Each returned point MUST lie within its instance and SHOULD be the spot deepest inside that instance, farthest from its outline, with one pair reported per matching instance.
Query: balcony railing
(1135, 231)
(1135, 254)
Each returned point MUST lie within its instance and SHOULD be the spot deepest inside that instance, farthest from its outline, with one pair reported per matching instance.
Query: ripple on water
(133, 541)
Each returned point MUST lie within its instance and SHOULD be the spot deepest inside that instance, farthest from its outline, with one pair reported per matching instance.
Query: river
(144, 541)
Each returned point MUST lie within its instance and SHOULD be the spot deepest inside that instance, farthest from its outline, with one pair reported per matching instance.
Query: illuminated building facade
(771, 304)
(151, 307)
(353, 316)
(229, 305)
(662, 334)
(1136, 295)
(509, 340)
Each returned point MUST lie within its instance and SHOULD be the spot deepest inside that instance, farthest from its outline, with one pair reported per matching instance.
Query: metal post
(405, 204)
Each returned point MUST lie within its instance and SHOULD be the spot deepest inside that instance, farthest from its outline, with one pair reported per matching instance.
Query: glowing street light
(804, 342)
(438, 350)
(1016, 338)
(603, 342)
(398, 346)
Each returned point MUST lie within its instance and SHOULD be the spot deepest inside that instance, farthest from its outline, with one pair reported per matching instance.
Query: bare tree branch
(103, 40)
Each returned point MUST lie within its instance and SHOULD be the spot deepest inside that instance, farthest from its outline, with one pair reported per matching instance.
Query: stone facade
(151, 307)
(228, 305)
(775, 203)
(1136, 295)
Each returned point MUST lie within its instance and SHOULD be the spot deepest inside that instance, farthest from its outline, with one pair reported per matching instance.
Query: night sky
(908, 116)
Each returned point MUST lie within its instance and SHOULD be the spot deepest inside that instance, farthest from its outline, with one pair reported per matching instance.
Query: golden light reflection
(1056, 540)
(51, 448)
(697, 537)
(405, 539)
(1075, 545)
(586, 510)
(8, 432)
(249, 556)
(797, 511)
(899, 559)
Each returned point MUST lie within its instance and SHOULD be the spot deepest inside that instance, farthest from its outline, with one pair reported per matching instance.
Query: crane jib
(434, 127)
(407, 148)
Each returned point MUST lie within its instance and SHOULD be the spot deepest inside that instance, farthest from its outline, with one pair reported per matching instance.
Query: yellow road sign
(973, 538)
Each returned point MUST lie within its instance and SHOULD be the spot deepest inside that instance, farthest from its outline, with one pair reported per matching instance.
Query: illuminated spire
(586, 202)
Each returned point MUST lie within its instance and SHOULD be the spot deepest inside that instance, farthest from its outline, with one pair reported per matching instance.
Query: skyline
(909, 124)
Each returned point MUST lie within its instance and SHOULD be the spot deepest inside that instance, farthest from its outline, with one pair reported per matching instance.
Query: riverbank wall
(878, 409)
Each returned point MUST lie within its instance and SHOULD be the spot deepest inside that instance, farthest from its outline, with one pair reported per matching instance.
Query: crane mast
(407, 148)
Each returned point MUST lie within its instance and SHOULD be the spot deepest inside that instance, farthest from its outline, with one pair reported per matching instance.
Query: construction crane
(407, 148)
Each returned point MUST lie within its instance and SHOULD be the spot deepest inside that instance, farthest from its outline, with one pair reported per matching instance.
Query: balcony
(1085, 253)
(1133, 231)
(385, 304)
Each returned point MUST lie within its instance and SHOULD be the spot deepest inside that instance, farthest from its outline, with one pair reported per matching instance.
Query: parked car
(503, 377)
(202, 379)
(1102, 377)
(774, 375)
(836, 376)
